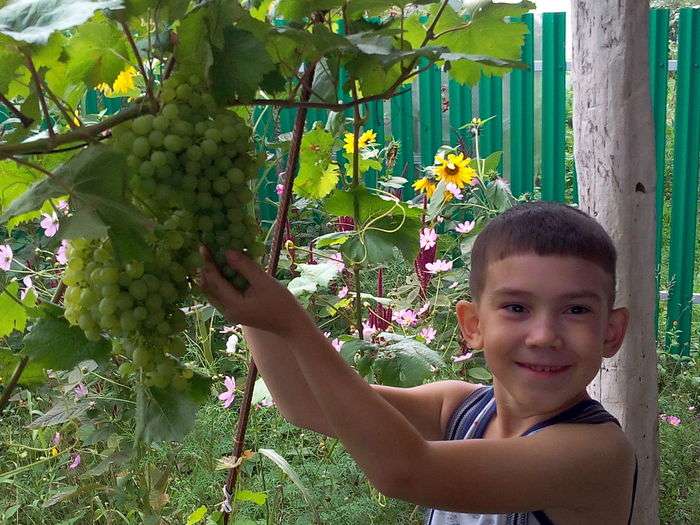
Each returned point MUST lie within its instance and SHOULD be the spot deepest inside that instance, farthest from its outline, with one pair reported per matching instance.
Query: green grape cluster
(191, 171)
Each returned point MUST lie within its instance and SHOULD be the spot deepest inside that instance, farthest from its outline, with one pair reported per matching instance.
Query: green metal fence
(532, 131)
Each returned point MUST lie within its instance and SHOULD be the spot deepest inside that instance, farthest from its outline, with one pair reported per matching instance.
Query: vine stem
(26, 121)
(275, 249)
(146, 78)
(40, 94)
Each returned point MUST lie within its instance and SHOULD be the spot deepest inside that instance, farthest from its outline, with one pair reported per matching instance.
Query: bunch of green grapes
(195, 157)
(192, 168)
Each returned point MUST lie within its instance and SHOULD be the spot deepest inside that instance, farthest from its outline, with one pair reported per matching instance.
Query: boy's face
(543, 311)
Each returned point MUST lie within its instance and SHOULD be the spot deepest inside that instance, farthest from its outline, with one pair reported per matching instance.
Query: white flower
(231, 344)
(438, 266)
(423, 309)
(465, 227)
(29, 285)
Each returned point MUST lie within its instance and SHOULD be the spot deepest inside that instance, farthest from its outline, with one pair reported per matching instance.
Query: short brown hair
(543, 228)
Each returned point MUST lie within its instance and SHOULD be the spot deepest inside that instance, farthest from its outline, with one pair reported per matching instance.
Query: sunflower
(455, 169)
(425, 185)
(125, 81)
(368, 138)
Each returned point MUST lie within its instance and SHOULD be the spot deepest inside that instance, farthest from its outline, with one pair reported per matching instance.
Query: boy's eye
(579, 309)
(515, 308)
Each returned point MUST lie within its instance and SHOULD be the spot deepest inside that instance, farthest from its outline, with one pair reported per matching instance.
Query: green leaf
(340, 203)
(34, 21)
(491, 162)
(197, 515)
(376, 244)
(282, 463)
(54, 344)
(13, 315)
(98, 52)
(317, 176)
(58, 495)
(239, 66)
(167, 415)
(10, 61)
(406, 362)
(33, 374)
(297, 10)
(193, 51)
(59, 413)
(356, 351)
(480, 374)
(332, 239)
(259, 498)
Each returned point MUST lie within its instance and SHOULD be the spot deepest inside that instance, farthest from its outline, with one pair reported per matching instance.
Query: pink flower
(229, 395)
(367, 331)
(464, 357)
(671, 420)
(279, 189)
(49, 223)
(75, 461)
(428, 334)
(56, 439)
(5, 257)
(439, 266)
(337, 344)
(63, 206)
(80, 391)
(428, 237)
(343, 292)
(62, 253)
(228, 330)
(423, 309)
(405, 317)
(29, 285)
(454, 190)
(465, 227)
(337, 260)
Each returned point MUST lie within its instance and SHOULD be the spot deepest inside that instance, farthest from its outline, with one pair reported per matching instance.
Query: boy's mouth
(544, 369)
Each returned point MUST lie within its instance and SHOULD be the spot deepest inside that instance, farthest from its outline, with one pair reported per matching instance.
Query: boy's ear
(468, 319)
(615, 331)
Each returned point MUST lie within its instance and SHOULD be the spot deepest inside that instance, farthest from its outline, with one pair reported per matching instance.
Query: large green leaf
(33, 373)
(97, 52)
(371, 205)
(13, 314)
(406, 362)
(33, 21)
(297, 10)
(317, 177)
(54, 344)
(193, 51)
(167, 415)
(10, 60)
(239, 66)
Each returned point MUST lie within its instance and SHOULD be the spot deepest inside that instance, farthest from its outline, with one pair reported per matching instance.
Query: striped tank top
(469, 421)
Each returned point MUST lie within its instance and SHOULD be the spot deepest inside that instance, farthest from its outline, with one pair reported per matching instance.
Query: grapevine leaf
(13, 315)
(98, 52)
(193, 51)
(406, 362)
(331, 239)
(234, 74)
(10, 60)
(317, 176)
(297, 10)
(55, 344)
(167, 415)
(33, 21)
(33, 374)
(377, 243)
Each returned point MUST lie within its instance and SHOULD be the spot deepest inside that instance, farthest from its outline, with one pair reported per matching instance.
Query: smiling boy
(531, 449)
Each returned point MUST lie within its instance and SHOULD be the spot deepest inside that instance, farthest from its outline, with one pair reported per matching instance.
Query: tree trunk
(614, 154)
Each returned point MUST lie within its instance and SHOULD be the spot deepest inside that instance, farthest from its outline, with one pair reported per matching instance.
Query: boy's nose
(543, 333)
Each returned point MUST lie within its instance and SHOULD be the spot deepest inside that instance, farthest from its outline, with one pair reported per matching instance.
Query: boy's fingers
(243, 265)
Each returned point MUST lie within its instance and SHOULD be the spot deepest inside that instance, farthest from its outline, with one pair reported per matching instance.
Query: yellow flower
(105, 89)
(454, 169)
(125, 81)
(425, 185)
(368, 138)
(54, 451)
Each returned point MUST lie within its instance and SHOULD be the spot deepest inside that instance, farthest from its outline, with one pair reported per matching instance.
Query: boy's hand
(265, 304)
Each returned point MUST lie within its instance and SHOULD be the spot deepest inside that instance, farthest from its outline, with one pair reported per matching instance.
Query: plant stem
(146, 78)
(275, 249)
(40, 94)
(13, 383)
(26, 121)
